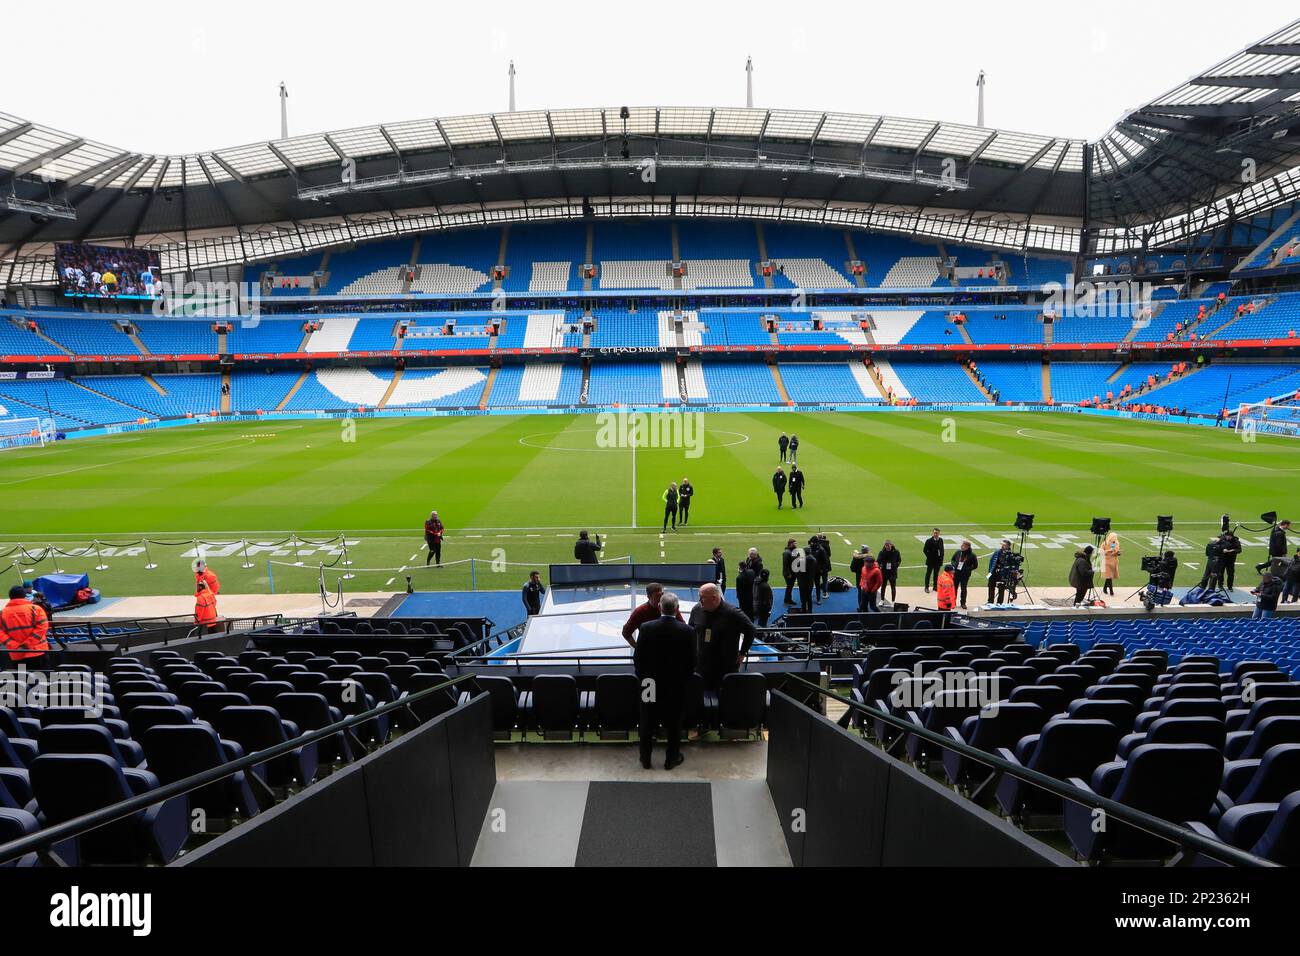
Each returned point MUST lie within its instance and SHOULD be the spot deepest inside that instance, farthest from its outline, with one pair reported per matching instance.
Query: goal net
(15, 432)
(1272, 419)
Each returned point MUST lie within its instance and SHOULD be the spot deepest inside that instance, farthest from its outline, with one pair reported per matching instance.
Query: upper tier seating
(545, 258)
(177, 336)
(373, 268)
(88, 336)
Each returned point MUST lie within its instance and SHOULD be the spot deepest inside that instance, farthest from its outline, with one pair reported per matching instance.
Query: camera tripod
(1011, 589)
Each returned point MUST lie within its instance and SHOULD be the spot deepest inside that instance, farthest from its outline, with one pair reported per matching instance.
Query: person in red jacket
(869, 581)
(947, 589)
(23, 629)
(204, 574)
(433, 538)
(205, 607)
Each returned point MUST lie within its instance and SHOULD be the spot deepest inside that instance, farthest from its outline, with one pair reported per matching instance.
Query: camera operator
(1230, 548)
(1212, 579)
(1171, 563)
(1291, 581)
(1002, 572)
(1276, 545)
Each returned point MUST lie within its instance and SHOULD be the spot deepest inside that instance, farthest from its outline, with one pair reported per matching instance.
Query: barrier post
(148, 556)
(473, 579)
(346, 562)
(101, 566)
(270, 575)
(24, 553)
(297, 558)
(247, 563)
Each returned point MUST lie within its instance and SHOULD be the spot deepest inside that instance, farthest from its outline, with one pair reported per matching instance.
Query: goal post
(1271, 419)
(17, 432)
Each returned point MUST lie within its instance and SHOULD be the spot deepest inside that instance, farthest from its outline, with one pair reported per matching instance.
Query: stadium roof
(1233, 125)
(1176, 155)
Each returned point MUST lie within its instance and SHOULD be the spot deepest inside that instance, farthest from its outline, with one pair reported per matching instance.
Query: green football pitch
(514, 490)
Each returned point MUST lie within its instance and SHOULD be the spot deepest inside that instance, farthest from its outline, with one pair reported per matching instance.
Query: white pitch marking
(389, 581)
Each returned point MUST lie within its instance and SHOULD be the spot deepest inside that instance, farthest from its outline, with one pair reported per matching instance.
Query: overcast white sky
(179, 76)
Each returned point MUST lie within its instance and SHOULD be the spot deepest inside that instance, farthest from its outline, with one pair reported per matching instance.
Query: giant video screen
(106, 272)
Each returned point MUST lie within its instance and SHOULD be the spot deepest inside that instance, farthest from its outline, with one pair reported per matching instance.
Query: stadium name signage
(634, 350)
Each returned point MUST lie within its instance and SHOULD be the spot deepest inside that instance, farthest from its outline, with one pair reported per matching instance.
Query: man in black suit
(586, 551)
(665, 660)
(805, 572)
(796, 487)
(782, 444)
(933, 550)
(745, 588)
(723, 635)
(685, 492)
(778, 486)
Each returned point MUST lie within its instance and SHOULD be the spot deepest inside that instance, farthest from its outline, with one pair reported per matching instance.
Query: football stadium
(641, 485)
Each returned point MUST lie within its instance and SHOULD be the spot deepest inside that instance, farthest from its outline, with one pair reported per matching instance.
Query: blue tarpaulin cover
(61, 589)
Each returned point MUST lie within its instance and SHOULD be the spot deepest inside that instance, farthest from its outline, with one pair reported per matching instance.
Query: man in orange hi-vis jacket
(205, 607)
(205, 574)
(23, 627)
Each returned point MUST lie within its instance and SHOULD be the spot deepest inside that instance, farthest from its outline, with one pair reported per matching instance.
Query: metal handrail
(1178, 835)
(117, 811)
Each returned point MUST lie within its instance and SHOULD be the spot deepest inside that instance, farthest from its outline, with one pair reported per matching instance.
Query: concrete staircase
(859, 281)
(487, 388)
(589, 257)
(1274, 239)
(1047, 380)
(776, 380)
(963, 332)
(292, 391)
(977, 383)
(392, 386)
(135, 340)
(226, 391)
(881, 387)
(768, 282)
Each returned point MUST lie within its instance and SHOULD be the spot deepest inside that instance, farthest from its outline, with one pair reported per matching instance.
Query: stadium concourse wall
(336, 415)
(842, 802)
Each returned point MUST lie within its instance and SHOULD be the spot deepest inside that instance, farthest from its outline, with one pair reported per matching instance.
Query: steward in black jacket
(586, 551)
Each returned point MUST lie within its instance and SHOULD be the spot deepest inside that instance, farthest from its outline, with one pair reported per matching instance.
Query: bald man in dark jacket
(665, 660)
